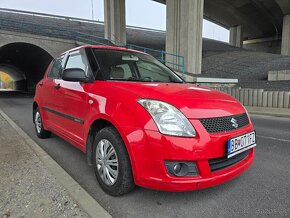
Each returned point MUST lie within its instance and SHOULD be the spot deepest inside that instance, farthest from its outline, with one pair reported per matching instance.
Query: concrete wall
(268, 46)
(53, 46)
(184, 33)
(236, 36)
(279, 75)
(259, 97)
(285, 47)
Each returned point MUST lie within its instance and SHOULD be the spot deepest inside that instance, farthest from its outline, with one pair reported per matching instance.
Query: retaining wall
(259, 97)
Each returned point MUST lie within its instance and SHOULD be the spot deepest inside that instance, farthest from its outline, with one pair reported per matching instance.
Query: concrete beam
(246, 97)
(115, 20)
(215, 80)
(270, 99)
(284, 5)
(250, 97)
(236, 36)
(184, 33)
(285, 47)
(260, 97)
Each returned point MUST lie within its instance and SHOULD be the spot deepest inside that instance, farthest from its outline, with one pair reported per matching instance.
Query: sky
(142, 13)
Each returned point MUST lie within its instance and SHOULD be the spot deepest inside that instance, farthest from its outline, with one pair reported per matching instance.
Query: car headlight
(169, 120)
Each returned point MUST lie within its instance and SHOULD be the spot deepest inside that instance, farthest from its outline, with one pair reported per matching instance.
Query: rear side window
(56, 68)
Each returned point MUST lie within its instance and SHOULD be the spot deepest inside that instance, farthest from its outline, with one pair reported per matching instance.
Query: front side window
(133, 66)
(76, 60)
(56, 68)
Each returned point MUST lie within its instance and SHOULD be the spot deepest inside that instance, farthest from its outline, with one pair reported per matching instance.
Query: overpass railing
(163, 57)
(31, 26)
(160, 55)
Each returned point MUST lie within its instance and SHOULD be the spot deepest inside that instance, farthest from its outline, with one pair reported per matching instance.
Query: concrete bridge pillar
(236, 36)
(285, 46)
(184, 33)
(115, 20)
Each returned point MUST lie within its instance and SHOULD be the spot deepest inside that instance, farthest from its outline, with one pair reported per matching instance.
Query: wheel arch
(96, 126)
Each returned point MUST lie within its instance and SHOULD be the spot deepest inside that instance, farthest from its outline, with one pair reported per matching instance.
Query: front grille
(224, 162)
(224, 124)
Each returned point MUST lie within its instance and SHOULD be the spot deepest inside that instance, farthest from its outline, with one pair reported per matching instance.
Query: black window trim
(49, 69)
(92, 58)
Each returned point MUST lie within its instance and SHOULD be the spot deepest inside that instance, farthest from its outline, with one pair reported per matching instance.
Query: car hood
(194, 101)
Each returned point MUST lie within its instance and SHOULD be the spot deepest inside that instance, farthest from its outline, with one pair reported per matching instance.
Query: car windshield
(133, 66)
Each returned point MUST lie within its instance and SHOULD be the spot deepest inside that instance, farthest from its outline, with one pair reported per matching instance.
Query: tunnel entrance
(25, 64)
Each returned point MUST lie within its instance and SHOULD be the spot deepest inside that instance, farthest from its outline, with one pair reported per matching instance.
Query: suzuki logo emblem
(234, 123)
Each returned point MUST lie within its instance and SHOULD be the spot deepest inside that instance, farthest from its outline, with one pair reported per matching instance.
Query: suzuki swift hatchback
(139, 123)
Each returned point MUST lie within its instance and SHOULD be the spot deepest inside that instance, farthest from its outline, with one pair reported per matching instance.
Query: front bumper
(151, 149)
(169, 183)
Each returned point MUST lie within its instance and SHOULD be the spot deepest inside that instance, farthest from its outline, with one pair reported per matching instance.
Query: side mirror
(74, 75)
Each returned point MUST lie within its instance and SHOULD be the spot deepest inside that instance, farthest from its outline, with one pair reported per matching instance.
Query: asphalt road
(262, 191)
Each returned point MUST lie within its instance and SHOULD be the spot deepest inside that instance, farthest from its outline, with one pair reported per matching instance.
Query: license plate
(241, 143)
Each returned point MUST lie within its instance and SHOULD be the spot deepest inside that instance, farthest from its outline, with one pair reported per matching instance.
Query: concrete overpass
(255, 24)
(27, 47)
(25, 56)
(251, 22)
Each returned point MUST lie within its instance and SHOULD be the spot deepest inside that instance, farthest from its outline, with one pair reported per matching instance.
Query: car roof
(115, 48)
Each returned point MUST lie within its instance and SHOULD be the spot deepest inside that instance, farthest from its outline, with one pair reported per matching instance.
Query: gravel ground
(27, 189)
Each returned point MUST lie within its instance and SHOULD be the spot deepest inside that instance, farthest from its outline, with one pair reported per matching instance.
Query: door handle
(57, 86)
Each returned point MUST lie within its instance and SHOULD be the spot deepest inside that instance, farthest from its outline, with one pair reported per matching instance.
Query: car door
(74, 99)
(48, 86)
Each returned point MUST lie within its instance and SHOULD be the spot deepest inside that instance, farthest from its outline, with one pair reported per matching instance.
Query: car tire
(38, 125)
(111, 163)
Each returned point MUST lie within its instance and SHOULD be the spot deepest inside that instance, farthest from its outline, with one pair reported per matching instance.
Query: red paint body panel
(117, 103)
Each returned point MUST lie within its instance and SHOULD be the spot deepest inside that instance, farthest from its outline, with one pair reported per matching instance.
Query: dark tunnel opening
(25, 63)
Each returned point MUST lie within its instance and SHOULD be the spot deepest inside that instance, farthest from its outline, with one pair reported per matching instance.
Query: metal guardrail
(69, 33)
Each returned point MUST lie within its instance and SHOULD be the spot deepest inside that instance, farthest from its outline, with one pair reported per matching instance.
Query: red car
(139, 123)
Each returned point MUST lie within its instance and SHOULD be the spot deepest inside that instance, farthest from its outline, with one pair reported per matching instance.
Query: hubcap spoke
(99, 161)
(105, 148)
(99, 152)
(113, 173)
(110, 153)
(104, 173)
(113, 162)
(107, 162)
(102, 149)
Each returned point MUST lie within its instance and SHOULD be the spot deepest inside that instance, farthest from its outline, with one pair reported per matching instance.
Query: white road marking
(273, 138)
